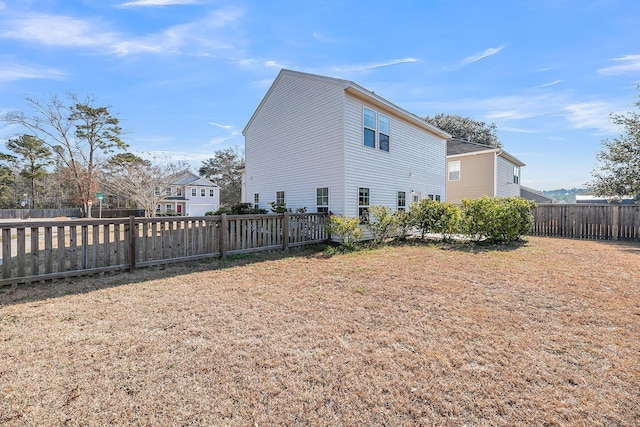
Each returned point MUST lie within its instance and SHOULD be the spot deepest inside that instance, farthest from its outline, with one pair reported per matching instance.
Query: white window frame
(453, 167)
(280, 200)
(516, 174)
(203, 192)
(364, 202)
(322, 200)
(401, 206)
(212, 192)
(380, 122)
(194, 192)
(256, 200)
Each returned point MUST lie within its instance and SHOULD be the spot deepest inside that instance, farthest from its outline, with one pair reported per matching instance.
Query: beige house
(476, 170)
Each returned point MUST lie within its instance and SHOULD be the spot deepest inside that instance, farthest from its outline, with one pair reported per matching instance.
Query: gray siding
(504, 179)
(415, 161)
(294, 144)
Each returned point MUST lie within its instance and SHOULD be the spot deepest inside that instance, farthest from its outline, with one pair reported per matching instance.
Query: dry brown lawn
(544, 333)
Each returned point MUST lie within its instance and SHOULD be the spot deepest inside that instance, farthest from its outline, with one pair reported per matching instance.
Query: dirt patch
(545, 333)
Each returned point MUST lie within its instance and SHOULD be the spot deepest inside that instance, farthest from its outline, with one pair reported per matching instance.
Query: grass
(541, 333)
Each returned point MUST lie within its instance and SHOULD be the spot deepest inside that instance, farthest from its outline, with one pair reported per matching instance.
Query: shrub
(278, 207)
(498, 220)
(430, 216)
(404, 223)
(237, 209)
(346, 230)
(382, 223)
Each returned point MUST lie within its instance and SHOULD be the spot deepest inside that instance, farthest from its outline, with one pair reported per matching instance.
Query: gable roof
(458, 147)
(357, 90)
(190, 178)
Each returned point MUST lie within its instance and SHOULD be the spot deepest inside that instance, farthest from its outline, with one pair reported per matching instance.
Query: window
(437, 197)
(383, 132)
(431, 196)
(168, 191)
(516, 175)
(256, 201)
(212, 192)
(363, 205)
(402, 200)
(179, 191)
(369, 128)
(203, 192)
(169, 208)
(158, 208)
(156, 191)
(376, 129)
(416, 197)
(322, 199)
(454, 171)
(280, 198)
(194, 192)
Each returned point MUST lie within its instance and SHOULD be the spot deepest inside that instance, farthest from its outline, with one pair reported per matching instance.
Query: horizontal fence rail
(32, 251)
(587, 221)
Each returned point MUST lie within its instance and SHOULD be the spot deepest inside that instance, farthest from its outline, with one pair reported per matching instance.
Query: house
(327, 144)
(535, 195)
(476, 170)
(190, 195)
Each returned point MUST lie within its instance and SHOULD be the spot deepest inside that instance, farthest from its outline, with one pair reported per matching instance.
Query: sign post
(89, 203)
(100, 196)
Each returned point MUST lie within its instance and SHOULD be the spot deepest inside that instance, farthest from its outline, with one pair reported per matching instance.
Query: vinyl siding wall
(476, 178)
(505, 185)
(415, 161)
(294, 144)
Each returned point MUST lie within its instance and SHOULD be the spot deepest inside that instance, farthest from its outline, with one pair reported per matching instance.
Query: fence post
(224, 232)
(285, 232)
(616, 223)
(327, 228)
(133, 235)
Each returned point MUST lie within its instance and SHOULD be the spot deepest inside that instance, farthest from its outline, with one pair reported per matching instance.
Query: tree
(33, 160)
(466, 129)
(79, 134)
(224, 169)
(7, 180)
(142, 181)
(619, 171)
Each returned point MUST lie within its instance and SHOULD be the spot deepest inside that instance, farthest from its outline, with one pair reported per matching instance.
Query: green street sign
(100, 196)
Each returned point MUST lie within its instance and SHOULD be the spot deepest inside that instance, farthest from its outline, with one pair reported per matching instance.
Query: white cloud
(591, 115)
(274, 64)
(60, 31)
(553, 83)
(13, 72)
(220, 126)
(371, 66)
(198, 37)
(628, 64)
(481, 55)
(153, 3)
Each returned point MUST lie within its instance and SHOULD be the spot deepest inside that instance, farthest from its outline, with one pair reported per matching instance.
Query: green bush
(430, 216)
(404, 224)
(498, 220)
(237, 209)
(382, 223)
(346, 230)
(278, 207)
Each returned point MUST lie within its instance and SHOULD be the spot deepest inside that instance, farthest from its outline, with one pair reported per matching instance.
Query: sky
(185, 76)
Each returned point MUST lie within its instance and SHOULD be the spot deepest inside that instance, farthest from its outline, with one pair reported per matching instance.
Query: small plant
(278, 207)
(346, 230)
(404, 223)
(382, 223)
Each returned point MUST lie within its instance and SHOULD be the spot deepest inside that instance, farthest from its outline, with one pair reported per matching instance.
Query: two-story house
(476, 170)
(327, 144)
(189, 195)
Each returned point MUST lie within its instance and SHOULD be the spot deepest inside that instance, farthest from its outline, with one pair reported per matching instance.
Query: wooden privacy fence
(587, 221)
(43, 250)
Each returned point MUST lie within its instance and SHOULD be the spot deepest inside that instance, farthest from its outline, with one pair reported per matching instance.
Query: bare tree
(142, 181)
(79, 134)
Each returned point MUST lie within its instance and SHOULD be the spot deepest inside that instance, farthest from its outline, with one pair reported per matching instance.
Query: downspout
(495, 173)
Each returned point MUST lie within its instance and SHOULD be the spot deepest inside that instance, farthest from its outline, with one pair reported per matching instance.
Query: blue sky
(184, 76)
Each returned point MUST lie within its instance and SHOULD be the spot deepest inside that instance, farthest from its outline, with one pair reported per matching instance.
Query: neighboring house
(476, 170)
(535, 195)
(327, 144)
(190, 195)
(587, 198)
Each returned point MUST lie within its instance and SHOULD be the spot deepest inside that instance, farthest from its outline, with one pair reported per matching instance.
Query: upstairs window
(202, 192)
(322, 199)
(256, 201)
(179, 191)
(194, 192)
(280, 198)
(168, 191)
(369, 128)
(454, 171)
(376, 129)
(516, 175)
(212, 192)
